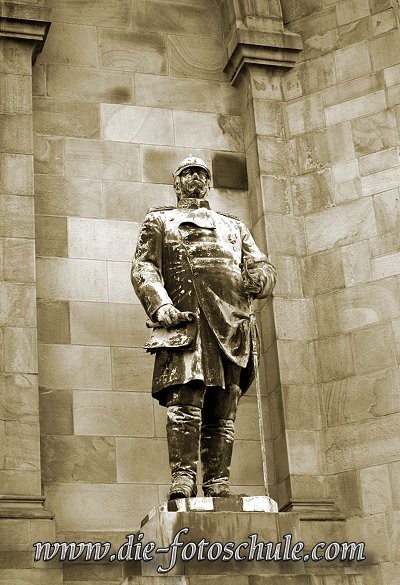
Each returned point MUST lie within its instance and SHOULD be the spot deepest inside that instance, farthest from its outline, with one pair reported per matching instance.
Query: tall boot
(216, 453)
(183, 431)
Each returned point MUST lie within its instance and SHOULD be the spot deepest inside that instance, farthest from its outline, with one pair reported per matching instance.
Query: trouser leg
(183, 433)
(217, 436)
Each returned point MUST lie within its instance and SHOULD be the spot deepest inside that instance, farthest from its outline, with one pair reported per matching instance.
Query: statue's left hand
(253, 281)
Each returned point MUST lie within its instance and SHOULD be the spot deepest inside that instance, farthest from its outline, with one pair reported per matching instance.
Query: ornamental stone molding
(256, 36)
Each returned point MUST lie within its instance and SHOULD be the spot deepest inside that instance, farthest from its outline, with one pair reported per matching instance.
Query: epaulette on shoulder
(163, 208)
(229, 215)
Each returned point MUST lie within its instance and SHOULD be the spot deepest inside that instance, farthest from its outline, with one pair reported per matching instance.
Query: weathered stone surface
(384, 22)
(274, 154)
(345, 224)
(385, 266)
(334, 358)
(373, 349)
(143, 52)
(92, 159)
(39, 80)
(353, 61)
(142, 461)
(196, 57)
(186, 94)
(374, 133)
(17, 305)
(72, 459)
(89, 84)
(322, 272)
(20, 350)
(49, 155)
(285, 234)
(15, 91)
(74, 366)
(296, 362)
(268, 117)
(66, 118)
(16, 134)
(361, 397)
(108, 324)
(289, 282)
(355, 446)
(353, 88)
(120, 289)
(210, 131)
(361, 106)
(379, 161)
(340, 143)
(111, 413)
(47, 576)
(70, 45)
(312, 152)
(51, 236)
(102, 239)
(382, 181)
(356, 263)
(130, 201)
(55, 411)
(352, 10)
(71, 279)
(19, 260)
(116, 13)
(53, 322)
(18, 397)
(379, 5)
(295, 319)
(357, 307)
(304, 452)
(355, 31)
(305, 114)
(321, 44)
(319, 73)
(312, 192)
(347, 181)
(195, 20)
(387, 211)
(132, 369)
(246, 463)
(302, 407)
(385, 50)
(276, 194)
(16, 174)
(117, 506)
(136, 124)
(68, 196)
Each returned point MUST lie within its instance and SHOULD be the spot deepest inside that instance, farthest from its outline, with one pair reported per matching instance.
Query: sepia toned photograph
(199, 292)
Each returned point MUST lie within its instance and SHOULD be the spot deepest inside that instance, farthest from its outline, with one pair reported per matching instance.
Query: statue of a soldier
(200, 267)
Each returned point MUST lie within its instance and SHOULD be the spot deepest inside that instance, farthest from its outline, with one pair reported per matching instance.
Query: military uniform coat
(192, 257)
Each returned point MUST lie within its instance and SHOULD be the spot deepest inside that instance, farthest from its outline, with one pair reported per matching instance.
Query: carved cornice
(25, 22)
(256, 47)
(23, 507)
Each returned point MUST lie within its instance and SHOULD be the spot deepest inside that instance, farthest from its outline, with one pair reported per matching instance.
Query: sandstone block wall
(342, 120)
(123, 91)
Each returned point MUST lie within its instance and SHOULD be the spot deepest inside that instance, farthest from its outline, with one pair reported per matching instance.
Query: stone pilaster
(23, 29)
(259, 52)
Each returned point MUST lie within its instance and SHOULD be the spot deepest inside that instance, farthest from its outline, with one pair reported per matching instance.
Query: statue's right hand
(168, 316)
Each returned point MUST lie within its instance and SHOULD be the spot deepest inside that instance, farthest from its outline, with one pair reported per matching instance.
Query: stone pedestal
(217, 536)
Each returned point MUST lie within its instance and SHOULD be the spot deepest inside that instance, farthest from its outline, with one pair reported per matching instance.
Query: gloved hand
(253, 281)
(168, 316)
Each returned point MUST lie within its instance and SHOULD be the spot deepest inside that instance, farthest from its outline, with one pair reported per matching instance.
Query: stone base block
(218, 536)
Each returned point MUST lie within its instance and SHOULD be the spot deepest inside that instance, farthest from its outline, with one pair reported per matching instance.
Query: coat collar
(192, 203)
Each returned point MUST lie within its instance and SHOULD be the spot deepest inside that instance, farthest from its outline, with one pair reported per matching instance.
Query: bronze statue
(194, 272)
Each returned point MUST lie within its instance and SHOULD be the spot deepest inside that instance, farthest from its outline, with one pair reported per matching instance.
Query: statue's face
(194, 182)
